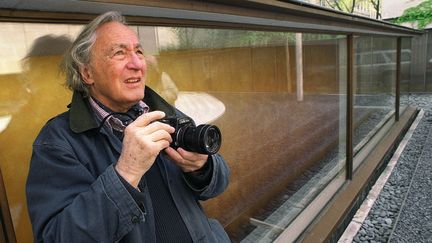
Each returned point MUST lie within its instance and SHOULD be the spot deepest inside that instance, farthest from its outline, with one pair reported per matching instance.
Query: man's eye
(119, 53)
(140, 52)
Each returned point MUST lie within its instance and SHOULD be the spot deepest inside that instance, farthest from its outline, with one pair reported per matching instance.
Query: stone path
(400, 209)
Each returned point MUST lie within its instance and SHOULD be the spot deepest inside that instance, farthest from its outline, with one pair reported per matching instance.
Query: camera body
(203, 139)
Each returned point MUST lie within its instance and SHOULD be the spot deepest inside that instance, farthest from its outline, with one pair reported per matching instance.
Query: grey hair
(80, 51)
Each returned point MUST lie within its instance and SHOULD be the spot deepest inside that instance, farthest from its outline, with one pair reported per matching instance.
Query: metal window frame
(256, 15)
(7, 232)
(350, 108)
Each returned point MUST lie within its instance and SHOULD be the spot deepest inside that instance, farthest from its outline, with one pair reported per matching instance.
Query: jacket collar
(82, 117)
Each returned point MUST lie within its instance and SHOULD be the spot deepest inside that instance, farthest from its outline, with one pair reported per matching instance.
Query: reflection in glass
(406, 60)
(31, 93)
(420, 49)
(375, 82)
(282, 150)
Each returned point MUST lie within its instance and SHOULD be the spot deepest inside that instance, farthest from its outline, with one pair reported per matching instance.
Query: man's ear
(86, 74)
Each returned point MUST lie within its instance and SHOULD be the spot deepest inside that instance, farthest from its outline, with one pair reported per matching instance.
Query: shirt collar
(82, 117)
(115, 120)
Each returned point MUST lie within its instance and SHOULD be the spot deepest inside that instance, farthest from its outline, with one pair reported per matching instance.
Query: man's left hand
(188, 161)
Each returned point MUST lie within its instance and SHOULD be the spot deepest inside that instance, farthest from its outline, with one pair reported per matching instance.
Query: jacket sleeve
(219, 178)
(81, 208)
(199, 179)
(218, 182)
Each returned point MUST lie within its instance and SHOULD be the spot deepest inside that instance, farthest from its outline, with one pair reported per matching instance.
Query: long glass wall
(279, 99)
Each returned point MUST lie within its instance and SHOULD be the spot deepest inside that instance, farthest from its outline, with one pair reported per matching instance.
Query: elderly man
(104, 170)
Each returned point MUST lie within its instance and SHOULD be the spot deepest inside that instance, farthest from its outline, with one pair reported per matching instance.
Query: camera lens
(210, 138)
(204, 139)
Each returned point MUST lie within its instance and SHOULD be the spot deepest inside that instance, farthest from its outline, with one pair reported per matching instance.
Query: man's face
(117, 71)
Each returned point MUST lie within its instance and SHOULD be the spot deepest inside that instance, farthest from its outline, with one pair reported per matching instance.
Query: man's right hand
(143, 140)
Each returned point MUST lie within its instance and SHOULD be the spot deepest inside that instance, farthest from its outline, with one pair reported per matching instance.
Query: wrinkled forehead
(113, 34)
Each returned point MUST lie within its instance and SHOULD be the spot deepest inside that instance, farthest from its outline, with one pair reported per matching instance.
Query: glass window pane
(405, 72)
(429, 62)
(419, 63)
(279, 99)
(375, 82)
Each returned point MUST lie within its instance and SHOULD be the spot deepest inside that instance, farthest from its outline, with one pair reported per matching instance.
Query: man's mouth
(133, 80)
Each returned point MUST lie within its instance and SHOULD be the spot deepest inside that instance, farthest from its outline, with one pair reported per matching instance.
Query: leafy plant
(420, 14)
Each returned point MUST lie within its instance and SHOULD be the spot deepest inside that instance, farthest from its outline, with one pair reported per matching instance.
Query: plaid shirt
(113, 122)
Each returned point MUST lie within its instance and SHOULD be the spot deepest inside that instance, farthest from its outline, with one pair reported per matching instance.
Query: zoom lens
(203, 139)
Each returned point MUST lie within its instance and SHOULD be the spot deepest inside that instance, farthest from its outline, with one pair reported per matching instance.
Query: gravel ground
(403, 210)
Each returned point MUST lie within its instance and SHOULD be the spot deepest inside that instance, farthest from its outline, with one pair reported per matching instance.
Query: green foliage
(422, 14)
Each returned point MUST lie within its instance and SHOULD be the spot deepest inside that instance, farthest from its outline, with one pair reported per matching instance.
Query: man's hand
(188, 161)
(143, 140)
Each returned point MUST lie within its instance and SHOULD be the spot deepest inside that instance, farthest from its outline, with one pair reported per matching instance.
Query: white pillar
(288, 68)
(299, 66)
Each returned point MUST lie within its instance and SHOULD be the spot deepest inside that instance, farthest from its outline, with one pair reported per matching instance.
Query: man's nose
(135, 61)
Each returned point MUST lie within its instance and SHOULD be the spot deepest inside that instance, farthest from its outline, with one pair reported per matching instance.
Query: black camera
(203, 139)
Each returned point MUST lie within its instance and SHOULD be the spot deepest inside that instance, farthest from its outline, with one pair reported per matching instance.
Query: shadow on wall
(28, 100)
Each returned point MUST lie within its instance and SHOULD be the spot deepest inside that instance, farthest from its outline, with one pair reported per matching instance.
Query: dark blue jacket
(75, 195)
